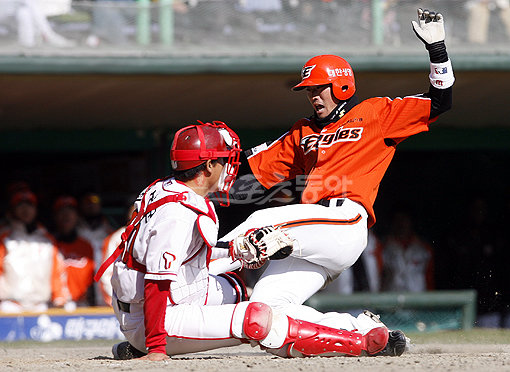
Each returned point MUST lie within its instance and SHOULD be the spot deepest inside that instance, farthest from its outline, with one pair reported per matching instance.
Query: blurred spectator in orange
(111, 242)
(32, 271)
(78, 253)
(94, 227)
(408, 263)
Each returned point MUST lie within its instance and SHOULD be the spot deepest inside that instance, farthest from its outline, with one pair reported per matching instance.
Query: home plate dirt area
(96, 356)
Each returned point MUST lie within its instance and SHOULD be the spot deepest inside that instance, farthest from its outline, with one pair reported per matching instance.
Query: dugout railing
(426, 311)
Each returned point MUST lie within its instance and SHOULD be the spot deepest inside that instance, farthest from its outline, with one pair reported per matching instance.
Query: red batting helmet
(65, 201)
(195, 144)
(23, 196)
(329, 69)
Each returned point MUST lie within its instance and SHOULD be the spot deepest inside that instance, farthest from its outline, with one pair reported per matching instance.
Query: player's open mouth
(318, 108)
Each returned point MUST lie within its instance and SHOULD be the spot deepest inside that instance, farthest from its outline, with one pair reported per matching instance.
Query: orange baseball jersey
(79, 263)
(345, 159)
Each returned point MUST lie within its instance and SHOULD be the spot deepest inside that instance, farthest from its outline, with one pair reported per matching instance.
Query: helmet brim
(309, 83)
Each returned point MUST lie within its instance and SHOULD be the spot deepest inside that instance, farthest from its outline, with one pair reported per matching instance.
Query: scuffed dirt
(436, 357)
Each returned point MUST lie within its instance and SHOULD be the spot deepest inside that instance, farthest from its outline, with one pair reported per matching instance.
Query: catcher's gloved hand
(258, 245)
(430, 27)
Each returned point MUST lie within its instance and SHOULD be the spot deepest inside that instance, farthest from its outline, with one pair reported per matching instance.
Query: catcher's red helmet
(195, 144)
(329, 69)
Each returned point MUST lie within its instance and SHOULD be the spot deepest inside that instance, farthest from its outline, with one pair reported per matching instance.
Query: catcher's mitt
(258, 245)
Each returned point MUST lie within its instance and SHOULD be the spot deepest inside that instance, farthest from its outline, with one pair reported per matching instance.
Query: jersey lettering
(316, 141)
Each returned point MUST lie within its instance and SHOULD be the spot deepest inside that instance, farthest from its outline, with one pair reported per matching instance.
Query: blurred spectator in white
(479, 18)
(109, 21)
(32, 271)
(260, 5)
(391, 24)
(365, 274)
(111, 242)
(408, 263)
(32, 25)
(266, 15)
(94, 227)
(77, 252)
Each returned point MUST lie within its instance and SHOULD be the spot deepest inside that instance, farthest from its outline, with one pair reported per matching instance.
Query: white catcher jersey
(166, 238)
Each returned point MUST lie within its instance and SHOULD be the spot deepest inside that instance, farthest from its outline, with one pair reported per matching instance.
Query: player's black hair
(189, 174)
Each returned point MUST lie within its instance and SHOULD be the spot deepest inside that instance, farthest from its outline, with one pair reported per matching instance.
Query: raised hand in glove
(255, 247)
(430, 30)
(430, 27)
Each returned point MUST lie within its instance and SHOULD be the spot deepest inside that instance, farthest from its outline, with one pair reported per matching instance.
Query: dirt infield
(425, 357)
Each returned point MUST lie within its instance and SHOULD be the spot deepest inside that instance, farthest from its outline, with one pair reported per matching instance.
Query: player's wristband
(441, 75)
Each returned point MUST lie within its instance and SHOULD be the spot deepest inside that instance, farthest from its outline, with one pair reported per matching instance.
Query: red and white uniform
(111, 242)
(32, 271)
(344, 160)
(175, 305)
(408, 265)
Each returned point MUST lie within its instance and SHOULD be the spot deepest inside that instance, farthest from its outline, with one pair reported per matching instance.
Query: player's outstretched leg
(285, 336)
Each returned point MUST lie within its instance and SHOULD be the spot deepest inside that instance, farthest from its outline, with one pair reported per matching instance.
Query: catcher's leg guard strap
(252, 320)
(310, 339)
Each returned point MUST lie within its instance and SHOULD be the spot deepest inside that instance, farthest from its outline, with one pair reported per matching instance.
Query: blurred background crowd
(51, 248)
(193, 24)
(53, 263)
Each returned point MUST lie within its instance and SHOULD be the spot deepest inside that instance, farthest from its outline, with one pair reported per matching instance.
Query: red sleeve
(154, 308)
(279, 161)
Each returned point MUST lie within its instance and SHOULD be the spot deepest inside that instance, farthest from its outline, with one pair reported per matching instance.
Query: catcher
(164, 297)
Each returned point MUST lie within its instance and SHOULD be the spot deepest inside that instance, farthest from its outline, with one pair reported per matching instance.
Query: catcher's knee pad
(252, 320)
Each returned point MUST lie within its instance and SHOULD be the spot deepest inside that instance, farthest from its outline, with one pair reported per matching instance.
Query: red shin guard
(310, 339)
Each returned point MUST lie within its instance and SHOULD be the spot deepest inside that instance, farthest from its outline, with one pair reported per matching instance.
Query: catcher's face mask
(195, 144)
